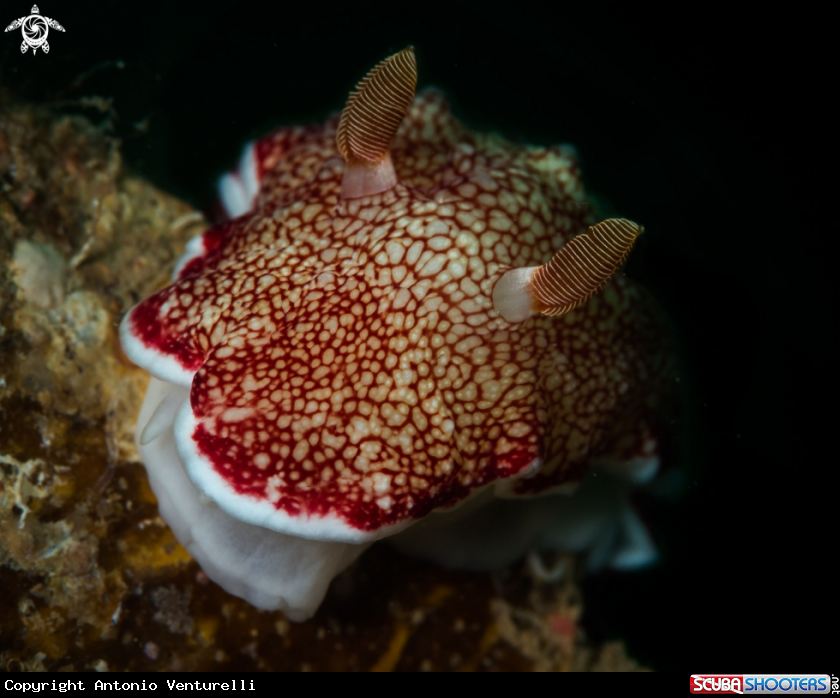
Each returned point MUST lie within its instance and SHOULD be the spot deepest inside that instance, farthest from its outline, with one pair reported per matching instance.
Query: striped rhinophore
(376, 108)
(583, 266)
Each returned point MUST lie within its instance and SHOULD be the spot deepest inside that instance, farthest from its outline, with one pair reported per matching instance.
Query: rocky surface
(92, 578)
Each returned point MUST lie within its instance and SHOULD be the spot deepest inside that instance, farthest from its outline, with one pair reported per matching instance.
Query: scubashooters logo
(747, 684)
(35, 28)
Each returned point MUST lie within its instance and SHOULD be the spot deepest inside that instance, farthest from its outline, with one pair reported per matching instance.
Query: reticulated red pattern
(350, 359)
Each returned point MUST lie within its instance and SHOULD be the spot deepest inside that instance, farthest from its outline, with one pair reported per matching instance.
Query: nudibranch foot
(491, 533)
(270, 570)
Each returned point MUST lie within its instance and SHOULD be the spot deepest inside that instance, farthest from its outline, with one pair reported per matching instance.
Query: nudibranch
(401, 317)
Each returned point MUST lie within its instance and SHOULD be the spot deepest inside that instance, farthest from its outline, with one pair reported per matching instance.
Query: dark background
(709, 129)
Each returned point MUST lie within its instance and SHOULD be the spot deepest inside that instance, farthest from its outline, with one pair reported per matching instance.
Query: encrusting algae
(91, 576)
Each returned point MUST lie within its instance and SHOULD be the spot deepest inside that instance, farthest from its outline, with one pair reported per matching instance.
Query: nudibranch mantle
(333, 369)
